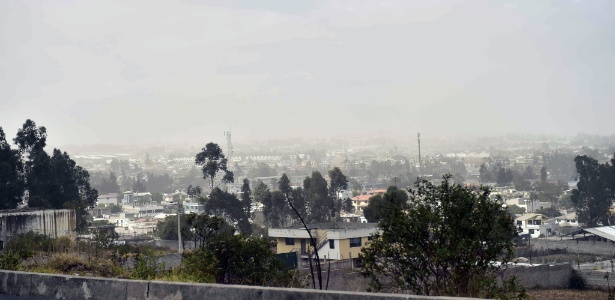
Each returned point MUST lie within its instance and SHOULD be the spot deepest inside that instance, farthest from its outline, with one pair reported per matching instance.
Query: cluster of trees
(52, 181)
(595, 191)
(218, 203)
(441, 240)
(316, 201)
(221, 256)
(143, 183)
(503, 176)
(262, 170)
(105, 184)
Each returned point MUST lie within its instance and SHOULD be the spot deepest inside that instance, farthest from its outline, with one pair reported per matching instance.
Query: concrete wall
(71, 287)
(51, 222)
(544, 276)
(596, 279)
(603, 248)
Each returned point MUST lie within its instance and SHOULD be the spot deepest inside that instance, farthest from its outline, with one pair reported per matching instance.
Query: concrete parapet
(48, 286)
(541, 276)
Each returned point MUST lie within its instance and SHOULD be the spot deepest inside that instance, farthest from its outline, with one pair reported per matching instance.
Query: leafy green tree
(504, 176)
(167, 229)
(297, 199)
(31, 139)
(529, 174)
(338, 182)
(515, 209)
(261, 192)
(231, 258)
(57, 182)
(379, 205)
(549, 212)
(114, 166)
(275, 209)
(205, 228)
(159, 183)
(139, 184)
(485, 174)
(592, 197)
(157, 197)
(115, 208)
(212, 161)
(226, 205)
(109, 185)
(12, 184)
(284, 185)
(246, 199)
(443, 242)
(543, 174)
(347, 205)
(193, 191)
(262, 170)
(320, 205)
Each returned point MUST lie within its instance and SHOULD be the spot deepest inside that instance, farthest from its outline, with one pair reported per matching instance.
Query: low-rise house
(131, 197)
(174, 197)
(567, 220)
(361, 201)
(336, 241)
(193, 207)
(107, 199)
(530, 224)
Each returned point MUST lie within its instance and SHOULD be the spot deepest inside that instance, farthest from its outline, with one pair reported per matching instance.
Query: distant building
(361, 201)
(344, 194)
(530, 224)
(337, 241)
(131, 197)
(107, 199)
(53, 223)
(193, 207)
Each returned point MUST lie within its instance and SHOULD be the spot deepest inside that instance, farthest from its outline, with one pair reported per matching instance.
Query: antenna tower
(229, 147)
(418, 135)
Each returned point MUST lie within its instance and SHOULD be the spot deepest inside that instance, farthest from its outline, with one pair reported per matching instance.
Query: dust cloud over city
(157, 73)
(462, 148)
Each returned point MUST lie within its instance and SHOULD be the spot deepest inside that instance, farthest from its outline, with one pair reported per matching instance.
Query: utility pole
(229, 152)
(179, 228)
(418, 135)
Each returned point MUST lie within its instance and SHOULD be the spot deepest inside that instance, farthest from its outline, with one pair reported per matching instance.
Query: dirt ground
(567, 295)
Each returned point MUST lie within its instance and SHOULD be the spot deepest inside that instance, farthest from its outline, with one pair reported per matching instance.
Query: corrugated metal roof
(607, 232)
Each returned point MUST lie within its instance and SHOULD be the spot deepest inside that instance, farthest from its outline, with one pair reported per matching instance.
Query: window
(331, 244)
(369, 238)
(536, 222)
(531, 231)
(290, 241)
(355, 242)
(519, 223)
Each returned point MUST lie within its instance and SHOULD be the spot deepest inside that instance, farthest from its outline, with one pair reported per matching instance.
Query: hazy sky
(120, 72)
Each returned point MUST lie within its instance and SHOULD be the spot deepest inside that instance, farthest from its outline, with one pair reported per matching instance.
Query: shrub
(29, 243)
(9, 260)
(147, 266)
(576, 281)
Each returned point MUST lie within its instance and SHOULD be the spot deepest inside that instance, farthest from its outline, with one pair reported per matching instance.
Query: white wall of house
(330, 253)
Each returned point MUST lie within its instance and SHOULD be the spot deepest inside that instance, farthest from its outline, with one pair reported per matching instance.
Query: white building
(530, 224)
(337, 241)
(107, 199)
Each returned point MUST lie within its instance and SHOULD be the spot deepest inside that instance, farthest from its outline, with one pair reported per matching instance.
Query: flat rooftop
(338, 225)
